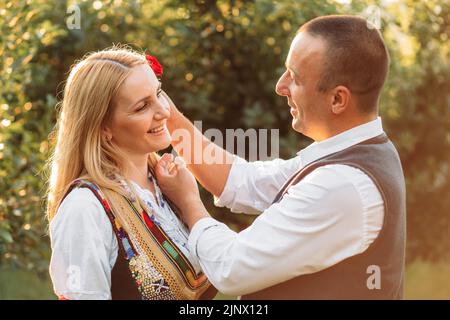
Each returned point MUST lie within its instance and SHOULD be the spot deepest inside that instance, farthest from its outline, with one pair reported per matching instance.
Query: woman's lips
(158, 130)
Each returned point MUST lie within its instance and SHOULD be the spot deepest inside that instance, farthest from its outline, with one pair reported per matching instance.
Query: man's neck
(337, 127)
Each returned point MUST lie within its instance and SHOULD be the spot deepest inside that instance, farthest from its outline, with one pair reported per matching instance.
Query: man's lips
(294, 110)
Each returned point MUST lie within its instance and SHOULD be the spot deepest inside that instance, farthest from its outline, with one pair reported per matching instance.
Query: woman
(113, 233)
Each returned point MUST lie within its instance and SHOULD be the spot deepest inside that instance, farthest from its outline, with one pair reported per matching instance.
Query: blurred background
(221, 61)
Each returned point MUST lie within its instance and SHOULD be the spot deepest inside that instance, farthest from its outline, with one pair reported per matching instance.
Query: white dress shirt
(85, 248)
(334, 213)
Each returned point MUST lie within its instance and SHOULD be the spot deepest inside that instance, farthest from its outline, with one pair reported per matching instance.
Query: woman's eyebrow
(140, 100)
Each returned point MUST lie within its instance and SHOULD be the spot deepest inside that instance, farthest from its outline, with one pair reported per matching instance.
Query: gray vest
(356, 277)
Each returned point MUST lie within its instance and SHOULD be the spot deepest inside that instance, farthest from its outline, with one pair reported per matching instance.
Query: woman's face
(138, 124)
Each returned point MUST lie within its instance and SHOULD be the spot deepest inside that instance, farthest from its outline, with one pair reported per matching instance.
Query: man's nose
(281, 87)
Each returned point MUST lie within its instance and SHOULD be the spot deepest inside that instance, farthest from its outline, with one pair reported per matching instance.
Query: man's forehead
(305, 48)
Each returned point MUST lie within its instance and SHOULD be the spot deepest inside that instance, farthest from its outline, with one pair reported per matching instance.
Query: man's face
(299, 84)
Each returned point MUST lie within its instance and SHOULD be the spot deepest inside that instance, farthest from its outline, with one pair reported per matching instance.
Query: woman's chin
(160, 143)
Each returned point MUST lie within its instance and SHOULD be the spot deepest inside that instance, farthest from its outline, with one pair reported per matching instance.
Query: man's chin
(296, 125)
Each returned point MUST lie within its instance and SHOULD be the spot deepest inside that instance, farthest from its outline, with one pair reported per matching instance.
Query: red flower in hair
(155, 65)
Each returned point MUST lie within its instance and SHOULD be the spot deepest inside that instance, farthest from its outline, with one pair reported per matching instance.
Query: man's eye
(294, 78)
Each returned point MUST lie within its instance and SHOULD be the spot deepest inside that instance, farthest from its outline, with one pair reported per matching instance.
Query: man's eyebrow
(292, 70)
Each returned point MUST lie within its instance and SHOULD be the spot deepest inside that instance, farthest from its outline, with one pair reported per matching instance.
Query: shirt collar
(340, 141)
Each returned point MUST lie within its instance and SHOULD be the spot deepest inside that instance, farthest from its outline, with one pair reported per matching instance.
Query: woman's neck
(137, 171)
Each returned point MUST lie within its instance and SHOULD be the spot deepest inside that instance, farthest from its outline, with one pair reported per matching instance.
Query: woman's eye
(142, 107)
(158, 94)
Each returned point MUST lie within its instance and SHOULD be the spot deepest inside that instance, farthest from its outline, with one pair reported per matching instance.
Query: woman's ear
(340, 99)
(106, 133)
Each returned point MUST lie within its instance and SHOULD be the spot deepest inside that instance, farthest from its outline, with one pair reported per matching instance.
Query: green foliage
(26, 122)
(416, 110)
(425, 280)
(222, 60)
(24, 285)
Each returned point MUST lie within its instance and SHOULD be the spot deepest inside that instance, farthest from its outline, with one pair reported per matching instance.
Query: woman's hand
(176, 181)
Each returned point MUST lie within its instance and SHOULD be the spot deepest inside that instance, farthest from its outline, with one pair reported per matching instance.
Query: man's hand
(176, 181)
(180, 186)
(212, 176)
(175, 114)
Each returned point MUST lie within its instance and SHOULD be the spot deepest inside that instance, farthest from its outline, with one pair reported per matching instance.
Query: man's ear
(340, 99)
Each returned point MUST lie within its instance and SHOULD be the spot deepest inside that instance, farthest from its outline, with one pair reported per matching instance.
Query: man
(332, 219)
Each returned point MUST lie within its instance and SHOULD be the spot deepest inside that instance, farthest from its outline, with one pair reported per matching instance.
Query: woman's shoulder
(81, 198)
(80, 208)
(82, 238)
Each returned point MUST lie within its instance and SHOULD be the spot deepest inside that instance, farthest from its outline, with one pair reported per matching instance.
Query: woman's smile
(162, 129)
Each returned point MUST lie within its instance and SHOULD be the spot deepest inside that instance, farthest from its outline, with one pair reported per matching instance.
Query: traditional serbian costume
(106, 245)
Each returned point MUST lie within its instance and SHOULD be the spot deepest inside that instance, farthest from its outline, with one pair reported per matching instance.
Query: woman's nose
(163, 111)
(281, 88)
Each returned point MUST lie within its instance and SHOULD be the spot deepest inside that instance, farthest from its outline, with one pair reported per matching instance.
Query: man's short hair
(356, 56)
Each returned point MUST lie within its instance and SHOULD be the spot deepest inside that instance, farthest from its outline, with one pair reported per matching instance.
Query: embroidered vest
(150, 270)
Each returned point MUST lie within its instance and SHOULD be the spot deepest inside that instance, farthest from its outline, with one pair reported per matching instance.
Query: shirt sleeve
(84, 248)
(318, 223)
(252, 186)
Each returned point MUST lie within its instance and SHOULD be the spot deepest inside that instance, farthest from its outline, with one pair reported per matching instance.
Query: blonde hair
(80, 149)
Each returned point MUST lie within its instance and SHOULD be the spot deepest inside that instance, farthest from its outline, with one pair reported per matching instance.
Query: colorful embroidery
(170, 249)
(150, 282)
